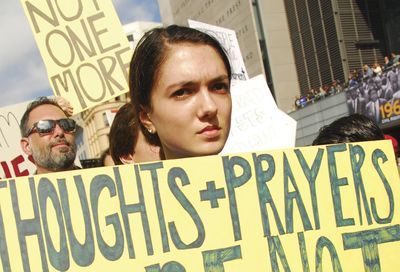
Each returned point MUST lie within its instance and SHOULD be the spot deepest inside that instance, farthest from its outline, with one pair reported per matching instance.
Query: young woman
(180, 86)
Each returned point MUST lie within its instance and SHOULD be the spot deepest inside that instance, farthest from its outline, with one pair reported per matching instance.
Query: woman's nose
(207, 106)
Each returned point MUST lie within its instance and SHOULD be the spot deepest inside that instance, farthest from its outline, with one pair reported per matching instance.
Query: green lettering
(311, 174)
(336, 182)
(290, 197)
(213, 260)
(376, 155)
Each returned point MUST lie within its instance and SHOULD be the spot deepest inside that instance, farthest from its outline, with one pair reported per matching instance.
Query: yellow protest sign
(324, 208)
(84, 49)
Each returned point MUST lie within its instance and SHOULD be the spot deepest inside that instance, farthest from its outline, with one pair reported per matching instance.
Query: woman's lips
(210, 131)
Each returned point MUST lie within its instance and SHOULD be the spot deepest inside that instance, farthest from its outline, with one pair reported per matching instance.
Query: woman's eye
(181, 93)
(221, 87)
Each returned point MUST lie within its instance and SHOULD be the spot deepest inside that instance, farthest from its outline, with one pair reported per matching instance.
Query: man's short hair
(352, 128)
(43, 100)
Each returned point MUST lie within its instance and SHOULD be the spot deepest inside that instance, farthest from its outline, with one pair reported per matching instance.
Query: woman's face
(190, 102)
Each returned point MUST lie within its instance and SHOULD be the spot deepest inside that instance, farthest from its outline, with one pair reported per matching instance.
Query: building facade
(333, 38)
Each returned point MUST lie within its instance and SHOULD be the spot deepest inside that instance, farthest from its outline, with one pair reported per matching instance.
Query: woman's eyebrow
(219, 78)
(188, 83)
(181, 84)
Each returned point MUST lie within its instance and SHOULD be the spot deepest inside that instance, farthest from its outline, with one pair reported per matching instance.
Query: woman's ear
(25, 145)
(127, 159)
(145, 119)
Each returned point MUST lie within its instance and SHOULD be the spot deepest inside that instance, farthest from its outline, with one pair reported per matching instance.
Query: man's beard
(53, 160)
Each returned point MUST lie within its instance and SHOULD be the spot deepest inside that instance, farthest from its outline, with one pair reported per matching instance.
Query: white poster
(257, 123)
(228, 40)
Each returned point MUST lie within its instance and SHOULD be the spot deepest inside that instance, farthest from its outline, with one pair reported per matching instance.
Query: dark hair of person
(352, 128)
(43, 100)
(151, 52)
(123, 133)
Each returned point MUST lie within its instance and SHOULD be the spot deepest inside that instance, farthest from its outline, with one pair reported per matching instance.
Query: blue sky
(22, 73)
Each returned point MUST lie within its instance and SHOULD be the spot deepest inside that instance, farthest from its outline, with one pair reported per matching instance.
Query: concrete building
(333, 38)
(97, 120)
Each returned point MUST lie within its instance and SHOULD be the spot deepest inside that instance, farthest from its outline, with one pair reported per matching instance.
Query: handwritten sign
(227, 38)
(257, 123)
(309, 209)
(13, 162)
(84, 48)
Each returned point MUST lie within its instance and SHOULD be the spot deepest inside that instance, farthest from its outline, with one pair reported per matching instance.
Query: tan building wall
(280, 52)
(240, 16)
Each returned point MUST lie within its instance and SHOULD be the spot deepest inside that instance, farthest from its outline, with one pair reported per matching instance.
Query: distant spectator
(303, 101)
(377, 69)
(367, 71)
(333, 89)
(297, 103)
(352, 128)
(395, 59)
(323, 91)
(388, 63)
(310, 96)
(359, 75)
(338, 85)
(352, 80)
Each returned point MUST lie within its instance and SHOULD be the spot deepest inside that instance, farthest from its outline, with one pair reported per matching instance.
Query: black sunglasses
(47, 126)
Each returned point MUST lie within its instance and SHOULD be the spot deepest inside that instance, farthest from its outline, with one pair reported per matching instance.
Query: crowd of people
(316, 94)
(180, 108)
(384, 76)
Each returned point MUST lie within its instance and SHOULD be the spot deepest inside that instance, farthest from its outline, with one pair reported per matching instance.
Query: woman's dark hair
(123, 133)
(149, 56)
(352, 128)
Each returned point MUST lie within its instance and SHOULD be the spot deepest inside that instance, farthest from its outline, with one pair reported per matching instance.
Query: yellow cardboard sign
(325, 208)
(84, 49)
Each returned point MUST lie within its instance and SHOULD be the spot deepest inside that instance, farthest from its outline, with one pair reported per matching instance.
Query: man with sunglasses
(48, 136)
